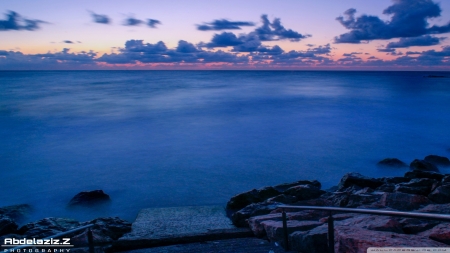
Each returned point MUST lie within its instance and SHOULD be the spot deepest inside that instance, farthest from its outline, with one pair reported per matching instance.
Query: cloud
(275, 31)
(223, 24)
(132, 22)
(425, 40)
(153, 22)
(408, 19)
(14, 21)
(68, 41)
(99, 18)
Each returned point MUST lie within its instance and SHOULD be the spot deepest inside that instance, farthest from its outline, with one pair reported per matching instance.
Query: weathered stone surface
(274, 229)
(89, 198)
(284, 187)
(355, 200)
(414, 226)
(423, 165)
(339, 198)
(304, 192)
(441, 194)
(353, 178)
(437, 160)
(282, 198)
(423, 174)
(388, 187)
(395, 180)
(16, 212)
(339, 217)
(357, 240)
(440, 233)
(47, 227)
(7, 226)
(436, 208)
(239, 218)
(314, 240)
(258, 228)
(392, 162)
(105, 230)
(420, 186)
(242, 200)
(373, 222)
(403, 201)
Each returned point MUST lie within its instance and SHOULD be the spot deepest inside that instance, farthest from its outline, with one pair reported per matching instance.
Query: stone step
(175, 225)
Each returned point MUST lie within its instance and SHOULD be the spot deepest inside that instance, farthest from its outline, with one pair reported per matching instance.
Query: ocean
(182, 138)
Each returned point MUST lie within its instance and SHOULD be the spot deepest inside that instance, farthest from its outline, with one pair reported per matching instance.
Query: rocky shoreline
(423, 188)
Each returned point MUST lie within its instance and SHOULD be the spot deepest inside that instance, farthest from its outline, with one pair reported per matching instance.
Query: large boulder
(275, 232)
(240, 217)
(105, 230)
(419, 186)
(7, 226)
(255, 223)
(89, 198)
(284, 187)
(441, 194)
(440, 233)
(357, 179)
(242, 200)
(423, 174)
(437, 160)
(414, 226)
(16, 212)
(423, 165)
(403, 201)
(373, 222)
(392, 162)
(304, 192)
(314, 240)
(436, 208)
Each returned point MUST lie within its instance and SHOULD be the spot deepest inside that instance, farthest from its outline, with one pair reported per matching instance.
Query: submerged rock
(437, 160)
(89, 198)
(423, 165)
(392, 162)
(7, 226)
(16, 212)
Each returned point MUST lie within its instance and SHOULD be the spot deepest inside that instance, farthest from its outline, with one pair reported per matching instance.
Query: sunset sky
(263, 34)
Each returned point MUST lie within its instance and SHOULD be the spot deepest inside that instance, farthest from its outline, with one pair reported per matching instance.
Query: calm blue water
(174, 138)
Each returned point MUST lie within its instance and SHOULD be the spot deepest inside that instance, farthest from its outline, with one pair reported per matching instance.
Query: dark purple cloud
(132, 22)
(100, 19)
(276, 31)
(223, 24)
(425, 40)
(153, 22)
(408, 19)
(14, 21)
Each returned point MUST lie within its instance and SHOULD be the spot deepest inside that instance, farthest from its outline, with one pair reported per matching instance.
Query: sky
(200, 34)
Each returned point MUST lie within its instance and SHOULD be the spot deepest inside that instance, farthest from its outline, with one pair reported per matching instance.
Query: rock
(395, 180)
(89, 198)
(437, 160)
(440, 233)
(47, 227)
(355, 200)
(258, 228)
(285, 199)
(386, 188)
(357, 240)
(16, 212)
(436, 208)
(304, 192)
(423, 165)
(441, 194)
(7, 225)
(339, 198)
(403, 201)
(392, 162)
(275, 232)
(239, 218)
(284, 187)
(423, 174)
(445, 179)
(314, 240)
(419, 186)
(339, 217)
(105, 230)
(414, 226)
(242, 200)
(350, 179)
(373, 222)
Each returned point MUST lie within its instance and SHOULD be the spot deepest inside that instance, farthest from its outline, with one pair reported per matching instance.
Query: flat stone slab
(167, 226)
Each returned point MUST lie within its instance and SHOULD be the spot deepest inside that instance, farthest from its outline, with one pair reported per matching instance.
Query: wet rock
(423, 165)
(304, 192)
(258, 228)
(395, 180)
(282, 198)
(239, 218)
(314, 240)
(7, 226)
(105, 230)
(419, 186)
(47, 227)
(441, 194)
(275, 232)
(284, 187)
(16, 212)
(439, 233)
(357, 240)
(242, 200)
(355, 200)
(392, 162)
(424, 174)
(89, 198)
(386, 188)
(353, 178)
(437, 160)
(414, 226)
(403, 201)
(373, 222)
(339, 198)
